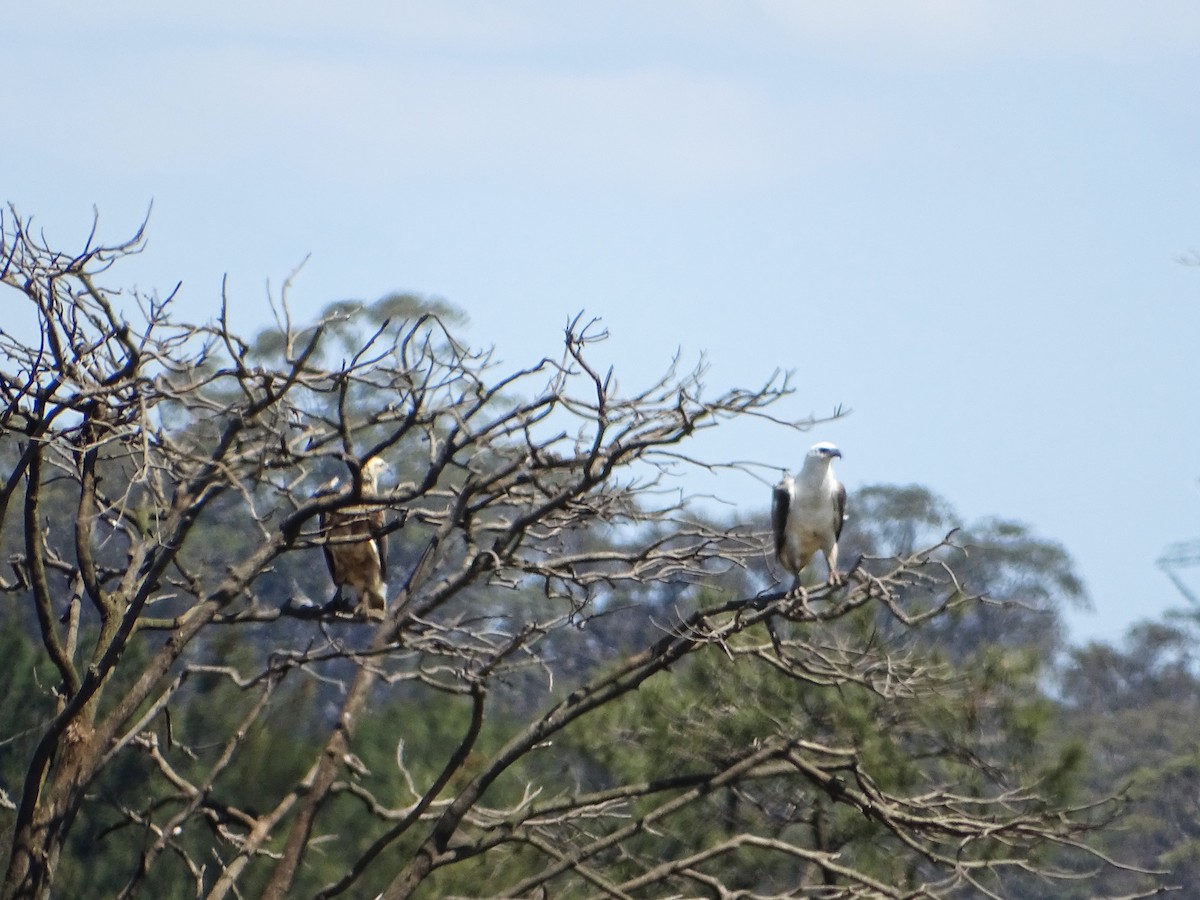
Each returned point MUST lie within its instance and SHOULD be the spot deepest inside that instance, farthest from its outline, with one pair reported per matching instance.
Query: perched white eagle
(355, 545)
(807, 513)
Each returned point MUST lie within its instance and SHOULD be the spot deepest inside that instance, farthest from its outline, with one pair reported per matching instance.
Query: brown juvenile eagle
(807, 513)
(355, 545)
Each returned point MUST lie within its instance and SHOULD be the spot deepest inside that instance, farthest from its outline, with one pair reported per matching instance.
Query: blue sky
(962, 220)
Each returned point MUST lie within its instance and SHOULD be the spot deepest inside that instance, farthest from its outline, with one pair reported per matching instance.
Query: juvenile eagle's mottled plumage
(355, 545)
(807, 513)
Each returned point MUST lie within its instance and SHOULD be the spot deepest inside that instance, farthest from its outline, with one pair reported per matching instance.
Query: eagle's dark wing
(781, 501)
(326, 522)
(346, 533)
(378, 529)
(839, 509)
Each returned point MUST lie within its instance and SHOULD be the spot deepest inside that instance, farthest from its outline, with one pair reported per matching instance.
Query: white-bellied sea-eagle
(807, 513)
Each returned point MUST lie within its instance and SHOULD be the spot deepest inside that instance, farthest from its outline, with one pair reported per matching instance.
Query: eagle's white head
(824, 450)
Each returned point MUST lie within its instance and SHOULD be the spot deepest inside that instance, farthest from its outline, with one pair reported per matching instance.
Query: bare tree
(530, 505)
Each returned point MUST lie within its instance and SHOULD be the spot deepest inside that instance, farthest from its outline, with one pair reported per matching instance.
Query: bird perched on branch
(807, 513)
(355, 545)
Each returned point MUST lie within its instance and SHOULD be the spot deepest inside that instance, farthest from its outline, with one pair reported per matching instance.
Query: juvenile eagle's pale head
(374, 469)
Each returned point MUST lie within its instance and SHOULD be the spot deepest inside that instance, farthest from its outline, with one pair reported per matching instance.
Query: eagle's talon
(335, 608)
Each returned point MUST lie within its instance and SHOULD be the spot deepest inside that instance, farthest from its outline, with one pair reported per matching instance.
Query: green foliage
(349, 320)
(1135, 707)
(1027, 579)
(981, 724)
(29, 676)
(981, 727)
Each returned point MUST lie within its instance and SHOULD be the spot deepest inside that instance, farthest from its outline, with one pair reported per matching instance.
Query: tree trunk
(47, 811)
